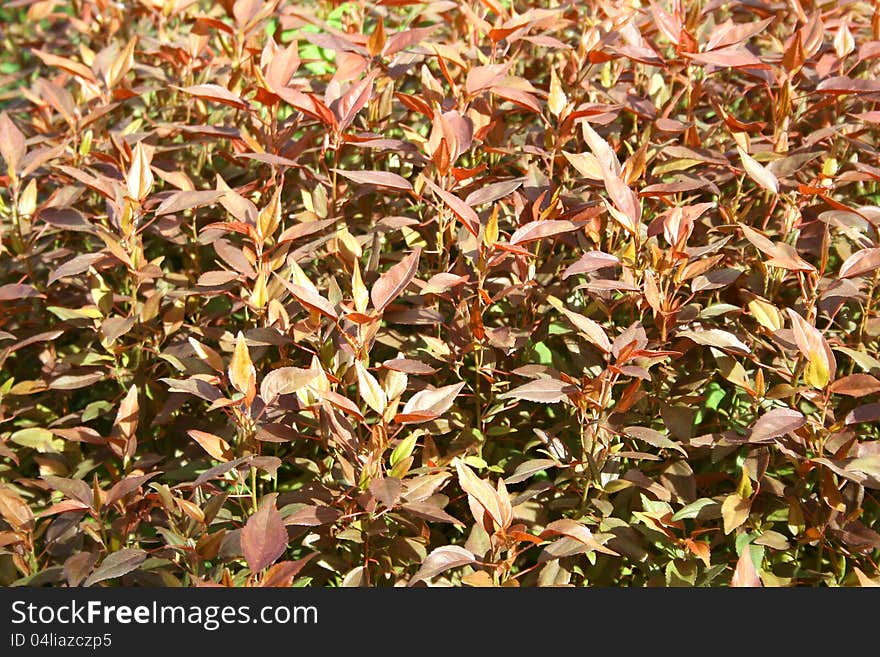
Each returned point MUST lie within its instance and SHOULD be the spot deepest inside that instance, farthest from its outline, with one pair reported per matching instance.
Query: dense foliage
(463, 292)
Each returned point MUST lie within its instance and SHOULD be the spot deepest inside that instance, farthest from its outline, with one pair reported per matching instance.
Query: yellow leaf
(844, 43)
(347, 244)
(734, 512)
(140, 176)
(586, 164)
(242, 374)
(761, 175)
(260, 296)
(319, 383)
(299, 277)
(207, 354)
(816, 372)
(27, 202)
(829, 167)
(370, 390)
(490, 234)
(395, 384)
(557, 100)
(766, 314)
(744, 490)
(270, 216)
(359, 290)
(278, 315)
(821, 365)
(121, 65)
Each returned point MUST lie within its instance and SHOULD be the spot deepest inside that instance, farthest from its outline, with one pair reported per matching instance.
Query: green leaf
(704, 508)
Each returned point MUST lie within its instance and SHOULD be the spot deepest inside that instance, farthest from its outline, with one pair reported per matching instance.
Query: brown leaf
(123, 439)
(285, 381)
(394, 281)
(310, 299)
(65, 64)
(734, 511)
(264, 537)
(186, 200)
(78, 566)
(16, 291)
(538, 230)
(283, 573)
(592, 330)
(14, 510)
(433, 402)
(75, 489)
(844, 85)
(377, 178)
(125, 486)
(217, 278)
(215, 93)
(481, 497)
(860, 263)
(440, 560)
(863, 413)
(408, 366)
(493, 192)
(462, 210)
(856, 385)
(776, 423)
(591, 261)
(386, 490)
(116, 565)
(732, 57)
(12, 143)
(577, 531)
(545, 391)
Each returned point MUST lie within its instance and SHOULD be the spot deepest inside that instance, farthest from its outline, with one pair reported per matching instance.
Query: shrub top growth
(469, 292)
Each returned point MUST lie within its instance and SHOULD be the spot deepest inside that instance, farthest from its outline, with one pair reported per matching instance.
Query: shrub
(449, 293)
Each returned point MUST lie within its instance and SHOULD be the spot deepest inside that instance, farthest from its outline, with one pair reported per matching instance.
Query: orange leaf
(214, 445)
